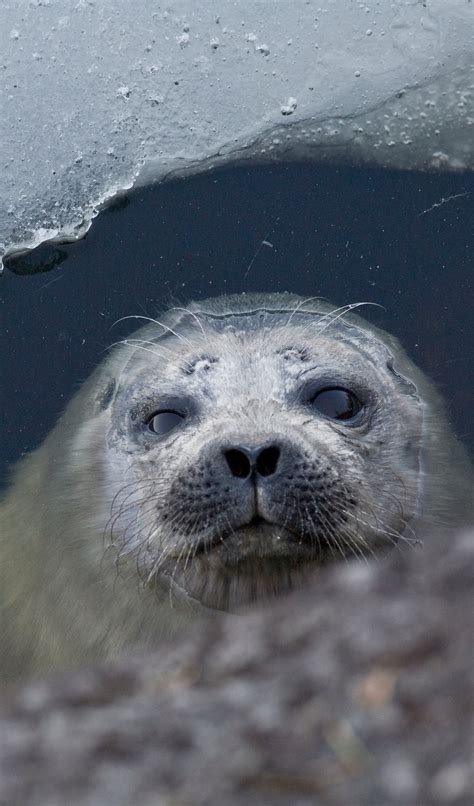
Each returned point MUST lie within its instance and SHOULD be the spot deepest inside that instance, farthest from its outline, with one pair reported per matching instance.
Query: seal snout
(244, 462)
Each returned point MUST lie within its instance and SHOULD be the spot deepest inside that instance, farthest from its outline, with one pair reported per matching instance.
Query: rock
(353, 690)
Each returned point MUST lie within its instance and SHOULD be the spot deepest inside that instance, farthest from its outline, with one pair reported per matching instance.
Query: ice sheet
(100, 96)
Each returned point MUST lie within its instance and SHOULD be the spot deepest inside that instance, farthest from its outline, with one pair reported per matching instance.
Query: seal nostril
(267, 461)
(243, 462)
(239, 463)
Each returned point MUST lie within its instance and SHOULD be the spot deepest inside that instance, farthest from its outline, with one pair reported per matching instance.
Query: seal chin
(258, 539)
(254, 561)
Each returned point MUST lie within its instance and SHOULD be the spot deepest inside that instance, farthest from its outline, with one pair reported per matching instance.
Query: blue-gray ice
(99, 96)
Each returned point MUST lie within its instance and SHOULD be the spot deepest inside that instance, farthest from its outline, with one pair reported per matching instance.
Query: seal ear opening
(105, 395)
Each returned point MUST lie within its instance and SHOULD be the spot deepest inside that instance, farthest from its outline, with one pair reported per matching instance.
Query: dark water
(348, 235)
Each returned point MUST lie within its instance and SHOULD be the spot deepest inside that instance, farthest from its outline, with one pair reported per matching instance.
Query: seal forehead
(242, 350)
(262, 368)
(253, 344)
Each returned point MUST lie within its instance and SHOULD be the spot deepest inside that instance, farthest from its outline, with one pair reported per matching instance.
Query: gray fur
(113, 538)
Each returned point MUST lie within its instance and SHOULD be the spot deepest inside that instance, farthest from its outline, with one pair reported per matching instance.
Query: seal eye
(164, 421)
(338, 404)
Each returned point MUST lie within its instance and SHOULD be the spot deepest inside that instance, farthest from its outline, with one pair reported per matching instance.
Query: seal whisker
(341, 312)
(122, 506)
(165, 327)
(336, 538)
(314, 532)
(354, 541)
(328, 534)
(393, 537)
(300, 305)
(139, 344)
(399, 512)
(195, 316)
(160, 349)
(359, 544)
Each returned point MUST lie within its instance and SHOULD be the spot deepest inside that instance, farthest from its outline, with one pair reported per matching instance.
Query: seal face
(218, 457)
(250, 447)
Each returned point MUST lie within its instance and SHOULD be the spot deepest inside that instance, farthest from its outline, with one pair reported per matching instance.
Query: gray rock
(355, 690)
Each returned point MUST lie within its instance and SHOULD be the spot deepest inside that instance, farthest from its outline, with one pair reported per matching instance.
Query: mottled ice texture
(100, 95)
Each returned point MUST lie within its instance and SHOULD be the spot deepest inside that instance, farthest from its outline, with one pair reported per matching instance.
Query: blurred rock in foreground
(356, 691)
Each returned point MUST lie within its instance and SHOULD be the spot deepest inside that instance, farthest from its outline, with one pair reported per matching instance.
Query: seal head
(251, 446)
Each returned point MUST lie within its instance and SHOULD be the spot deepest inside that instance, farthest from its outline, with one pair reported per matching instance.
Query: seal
(220, 456)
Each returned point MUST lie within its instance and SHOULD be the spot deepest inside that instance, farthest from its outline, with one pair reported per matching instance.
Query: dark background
(346, 234)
